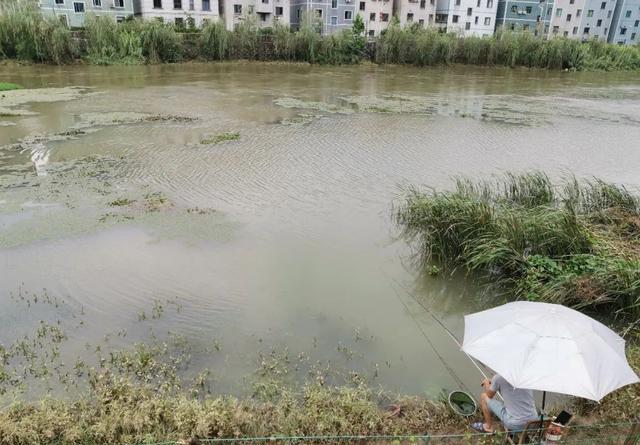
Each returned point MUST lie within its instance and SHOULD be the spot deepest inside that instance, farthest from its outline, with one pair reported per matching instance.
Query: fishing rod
(447, 330)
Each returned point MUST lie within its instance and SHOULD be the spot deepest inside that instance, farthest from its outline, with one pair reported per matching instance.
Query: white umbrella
(548, 347)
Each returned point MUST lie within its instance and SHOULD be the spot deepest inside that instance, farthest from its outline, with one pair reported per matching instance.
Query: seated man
(518, 409)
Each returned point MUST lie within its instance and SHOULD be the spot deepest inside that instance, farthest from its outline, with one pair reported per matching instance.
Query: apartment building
(625, 24)
(376, 14)
(411, 12)
(186, 13)
(525, 15)
(467, 17)
(583, 19)
(333, 15)
(267, 12)
(74, 12)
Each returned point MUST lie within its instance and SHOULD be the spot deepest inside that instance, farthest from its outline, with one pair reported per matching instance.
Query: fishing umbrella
(548, 347)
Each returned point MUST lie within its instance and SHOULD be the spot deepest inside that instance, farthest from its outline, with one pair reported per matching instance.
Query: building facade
(467, 17)
(415, 12)
(376, 14)
(183, 13)
(74, 12)
(332, 15)
(525, 15)
(582, 19)
(267, 12)
(625, 24)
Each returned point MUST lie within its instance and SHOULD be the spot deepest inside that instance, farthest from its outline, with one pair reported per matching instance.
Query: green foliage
(6, 86)
(25, 34)
(214, 41)
(160, 42)
(577, 244)
(109, 42)
(219, 138)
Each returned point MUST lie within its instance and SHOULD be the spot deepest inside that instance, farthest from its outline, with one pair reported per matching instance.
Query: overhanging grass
(7, 86)
(577, 243)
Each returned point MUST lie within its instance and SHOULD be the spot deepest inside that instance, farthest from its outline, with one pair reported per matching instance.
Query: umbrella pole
(544, 399)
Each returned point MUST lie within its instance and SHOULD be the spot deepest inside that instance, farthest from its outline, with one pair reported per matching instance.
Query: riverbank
(29, 36)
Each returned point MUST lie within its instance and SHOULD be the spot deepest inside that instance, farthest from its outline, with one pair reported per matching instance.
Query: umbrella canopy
(548, 347)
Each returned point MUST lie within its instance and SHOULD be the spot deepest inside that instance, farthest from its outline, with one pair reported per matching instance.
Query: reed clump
(577, 243)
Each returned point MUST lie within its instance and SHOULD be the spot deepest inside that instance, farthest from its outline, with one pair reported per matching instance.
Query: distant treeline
(25, 34)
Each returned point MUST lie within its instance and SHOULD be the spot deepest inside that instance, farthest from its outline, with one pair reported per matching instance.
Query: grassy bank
(25, 34)
(576, 243)
(7, 86)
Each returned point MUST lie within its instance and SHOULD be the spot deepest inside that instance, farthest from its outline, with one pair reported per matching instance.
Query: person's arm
(489, 389)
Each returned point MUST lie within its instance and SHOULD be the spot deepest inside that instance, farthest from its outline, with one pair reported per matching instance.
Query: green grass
(7, 86)
(576, 243)
(220, 138)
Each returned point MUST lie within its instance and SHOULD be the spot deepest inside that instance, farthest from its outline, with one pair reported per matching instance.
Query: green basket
(462, 403)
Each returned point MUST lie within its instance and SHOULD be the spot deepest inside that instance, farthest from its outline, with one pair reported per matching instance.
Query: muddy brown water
(281, 239)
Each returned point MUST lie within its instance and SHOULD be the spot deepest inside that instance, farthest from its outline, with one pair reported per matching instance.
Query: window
(590, 13)
(157, 4)
(489, 3)
(430, 18)
(525, 27)
(192, 5)
(457, 2)
(78, 7)
(433, 2)
(97, 3)
(467, 25)
(279, 10)
(362, 5)
(265, 1)
(179, 22)
(599, 22)
(628, 14)
(609, 15)
(633, 36)
(605, 31)
(513, 26)
(571, 2)
(586, 30)
(421, 22)
(487, 21)
(334, 4)
(177, 4)
(263, 16)
(250, 8)
(319, 13)
(556, 29)
(578, 12)
(469, 12)
(514, 9)
(348, 15)
(559, 12)
(60, 2)
(478, 4)
(384, 16)
(191, 22)
(410, 17)
(568, 17)
(205, 22)
(423, 4)
(334, 20)
(635, 25)
(528, 9)
(565, 34)
(118, 3)
(475, 22)
(63, 20)
(237, 9)
(372, 17)
(372, 33)
(623, 31)
(603, 5)
(455, 19)
(206, 5)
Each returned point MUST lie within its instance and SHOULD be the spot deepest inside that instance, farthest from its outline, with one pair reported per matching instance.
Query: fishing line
(424, 334)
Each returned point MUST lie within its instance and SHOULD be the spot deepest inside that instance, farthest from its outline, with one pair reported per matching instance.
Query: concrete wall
(525, 14)
(625, 24)
(410, 12)
(267, 12)
(377, 15)
(582, 19)
(66, 10)
(171, 11)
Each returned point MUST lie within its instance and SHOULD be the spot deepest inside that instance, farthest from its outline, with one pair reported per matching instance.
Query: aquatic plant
(110, 42)
(577, 244)
(219, 138)
(160, 42)
(6, 86)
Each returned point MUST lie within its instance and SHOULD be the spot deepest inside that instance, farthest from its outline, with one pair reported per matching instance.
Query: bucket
(462, 403)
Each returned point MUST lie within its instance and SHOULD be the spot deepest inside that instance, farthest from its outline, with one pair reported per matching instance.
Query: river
(281, 240)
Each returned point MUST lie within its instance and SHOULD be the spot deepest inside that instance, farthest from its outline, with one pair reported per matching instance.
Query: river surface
(113, 201)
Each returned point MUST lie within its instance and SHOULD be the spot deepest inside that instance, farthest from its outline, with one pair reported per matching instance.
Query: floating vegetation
(11, 99)
(156, 201)
(126, 118)
(6, 86)
(577, 243)
(121, 202)
(220, 138)
(300, 119)
(290, 102)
